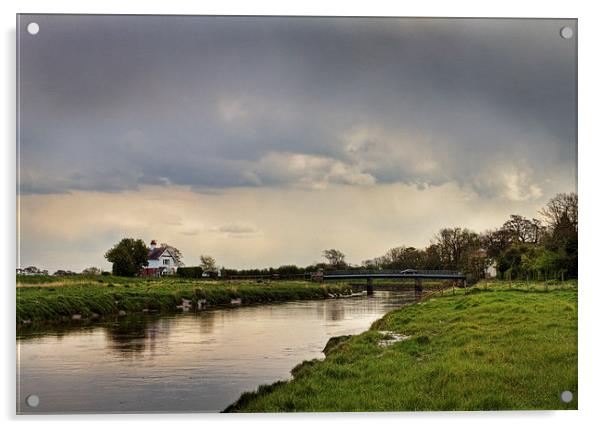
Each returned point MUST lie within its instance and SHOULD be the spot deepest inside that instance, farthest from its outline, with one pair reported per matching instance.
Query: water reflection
(188, 362)
(335, 311)
(129, 336)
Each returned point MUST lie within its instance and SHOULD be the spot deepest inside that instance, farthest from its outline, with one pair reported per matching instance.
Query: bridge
(416, 275)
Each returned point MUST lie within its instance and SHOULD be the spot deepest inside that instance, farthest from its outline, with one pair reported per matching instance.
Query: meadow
(42, 299)
(499, 346)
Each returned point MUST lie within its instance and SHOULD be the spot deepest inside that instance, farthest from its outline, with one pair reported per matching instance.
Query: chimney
(153, 244)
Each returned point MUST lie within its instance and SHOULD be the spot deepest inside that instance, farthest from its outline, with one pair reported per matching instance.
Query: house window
(165, 261)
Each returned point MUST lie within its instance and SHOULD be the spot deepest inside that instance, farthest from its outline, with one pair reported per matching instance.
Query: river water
(189, 362)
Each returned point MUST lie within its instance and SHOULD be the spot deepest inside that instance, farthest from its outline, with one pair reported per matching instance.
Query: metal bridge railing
(408, 272)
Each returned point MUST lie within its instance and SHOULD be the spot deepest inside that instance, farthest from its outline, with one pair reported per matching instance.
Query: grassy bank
(500, 347)
(56, 299)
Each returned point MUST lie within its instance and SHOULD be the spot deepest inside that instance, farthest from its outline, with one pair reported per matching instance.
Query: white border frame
(590, 293)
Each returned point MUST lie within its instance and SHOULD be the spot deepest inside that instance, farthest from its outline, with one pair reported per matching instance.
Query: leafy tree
(510, 261)
(546, 264)
(128, 256)
(208, 263)
(335, 258)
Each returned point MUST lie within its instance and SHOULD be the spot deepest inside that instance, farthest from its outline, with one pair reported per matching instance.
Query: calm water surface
(192, 362)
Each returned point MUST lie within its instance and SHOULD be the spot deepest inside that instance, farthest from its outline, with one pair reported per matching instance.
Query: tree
(289, 270)
(562, 206)
(335, 258)
(92, 271)
(208, 263)
(523, 230)
(432, 258)
(477, 263)
(128, 256)
(509, 263)
(455, 246)
(561, 215)
(496, 242)
(542, 263)
(177, 255)
(404, 257)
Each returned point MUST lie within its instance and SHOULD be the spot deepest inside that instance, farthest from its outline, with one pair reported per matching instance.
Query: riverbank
(499, 347)
(49, 299)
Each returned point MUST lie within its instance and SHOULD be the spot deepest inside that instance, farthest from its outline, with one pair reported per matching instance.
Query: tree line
(521, 248)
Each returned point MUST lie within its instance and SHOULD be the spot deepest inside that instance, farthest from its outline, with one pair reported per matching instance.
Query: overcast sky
(263, 141)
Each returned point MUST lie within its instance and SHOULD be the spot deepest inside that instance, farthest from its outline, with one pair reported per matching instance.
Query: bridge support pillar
(369, 286)
(418, 285)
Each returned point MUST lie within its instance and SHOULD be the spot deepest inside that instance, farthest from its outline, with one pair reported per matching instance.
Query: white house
(161, 261)
(491, 270)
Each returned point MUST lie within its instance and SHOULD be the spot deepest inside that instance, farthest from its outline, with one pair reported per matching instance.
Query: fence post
(417, 285)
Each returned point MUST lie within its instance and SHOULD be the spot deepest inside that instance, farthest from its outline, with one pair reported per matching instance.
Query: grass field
(499, 347)
(56, 299)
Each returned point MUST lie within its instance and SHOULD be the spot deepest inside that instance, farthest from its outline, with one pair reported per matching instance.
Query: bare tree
(208, 263)
(455, 245)
(405, 257)
(523, 230)
(562, 207)
(335, 258)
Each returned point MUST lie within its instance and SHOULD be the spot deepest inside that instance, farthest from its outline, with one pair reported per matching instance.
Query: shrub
(190, 272)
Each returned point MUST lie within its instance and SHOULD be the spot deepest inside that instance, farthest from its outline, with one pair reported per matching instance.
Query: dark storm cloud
(114, 102)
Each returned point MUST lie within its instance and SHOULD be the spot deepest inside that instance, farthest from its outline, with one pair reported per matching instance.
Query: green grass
(499, 347)
(56, 299)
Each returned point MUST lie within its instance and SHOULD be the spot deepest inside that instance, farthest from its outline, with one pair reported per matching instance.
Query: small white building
(161, 261)
(491, 270)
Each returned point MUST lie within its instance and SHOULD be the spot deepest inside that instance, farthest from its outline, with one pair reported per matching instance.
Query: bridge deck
(395, 274)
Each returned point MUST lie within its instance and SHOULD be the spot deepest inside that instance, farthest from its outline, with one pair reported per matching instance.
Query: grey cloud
(115, 102)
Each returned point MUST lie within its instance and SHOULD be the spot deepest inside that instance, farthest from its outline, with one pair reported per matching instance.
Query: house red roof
(156, 252)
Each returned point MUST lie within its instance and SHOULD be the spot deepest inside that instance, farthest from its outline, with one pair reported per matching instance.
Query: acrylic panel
(283, 214)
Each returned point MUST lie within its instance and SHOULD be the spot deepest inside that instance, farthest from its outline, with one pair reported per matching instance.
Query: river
(189, 362)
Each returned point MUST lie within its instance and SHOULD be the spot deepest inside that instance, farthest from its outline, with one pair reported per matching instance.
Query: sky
(264, 140)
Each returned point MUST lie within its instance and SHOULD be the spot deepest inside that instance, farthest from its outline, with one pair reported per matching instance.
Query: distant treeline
(284, 271)
(521, 248)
